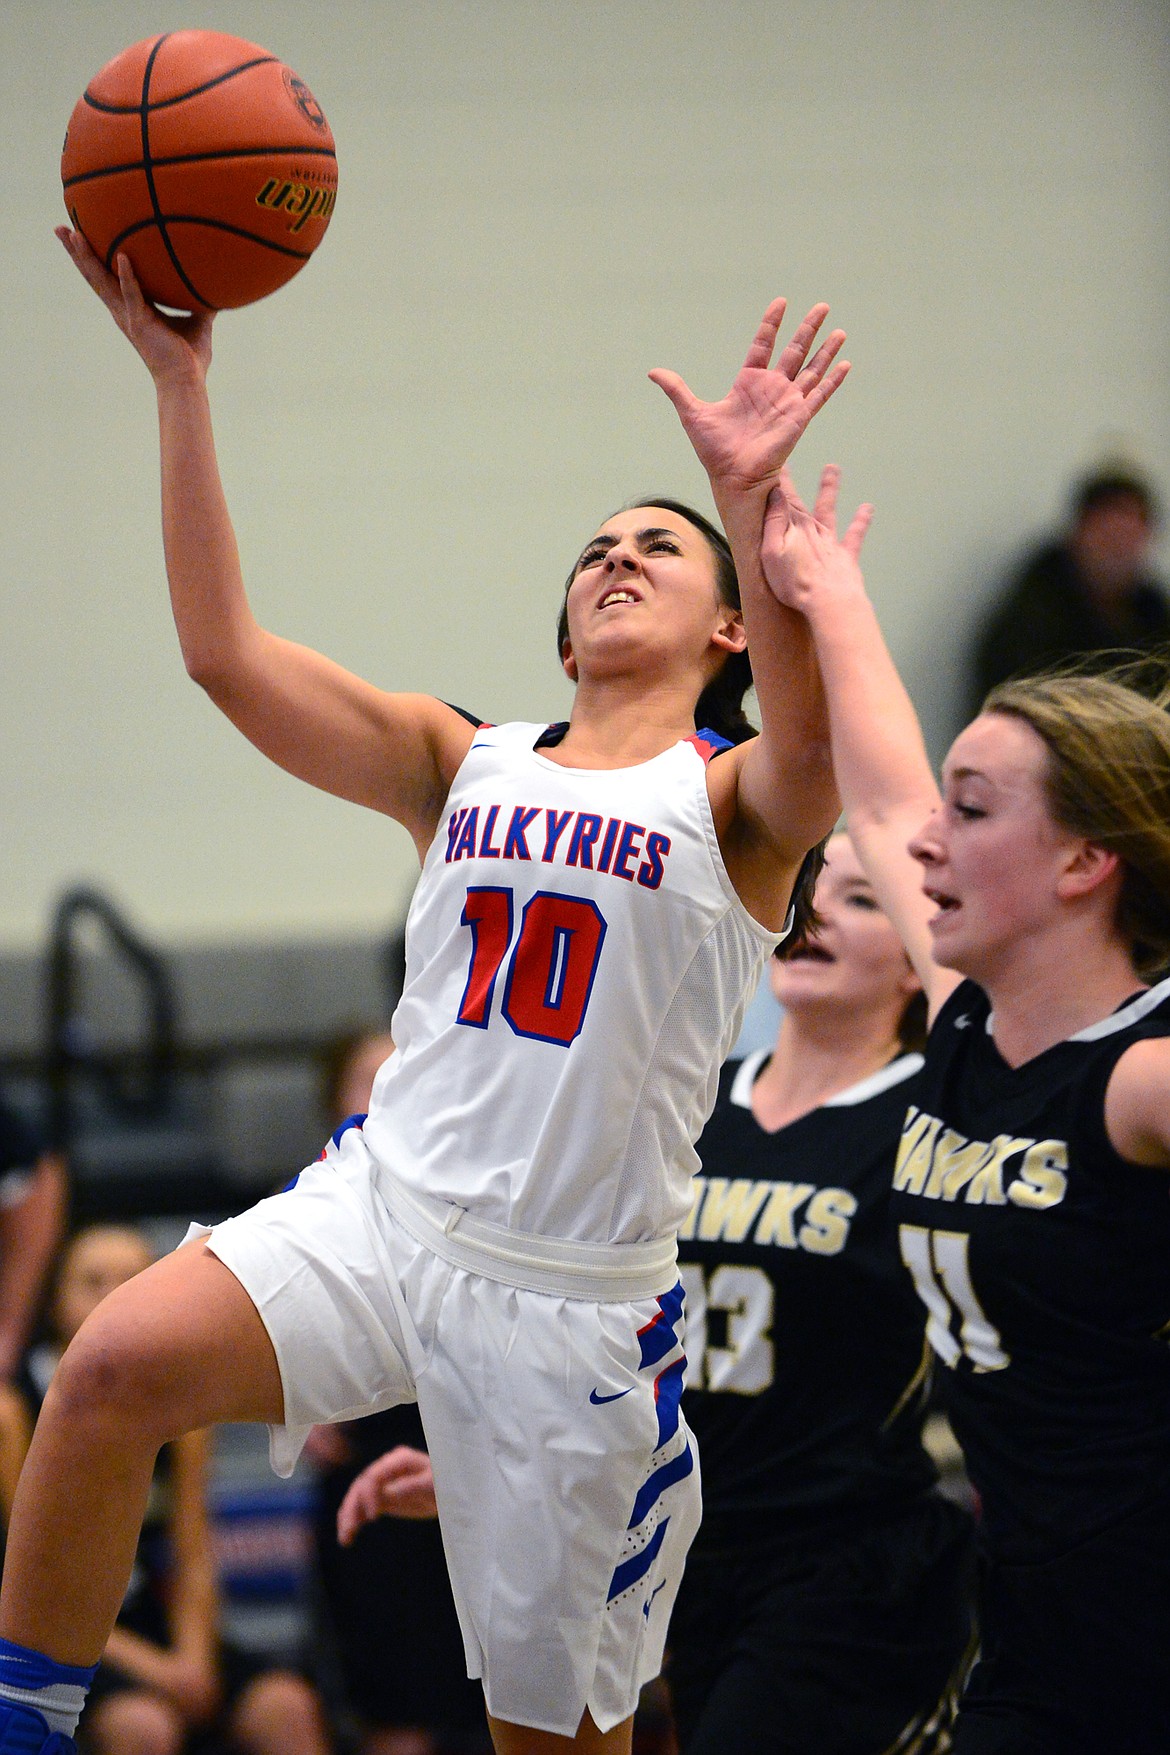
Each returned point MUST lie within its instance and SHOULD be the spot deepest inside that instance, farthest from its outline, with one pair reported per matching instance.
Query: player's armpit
(762, 874)
(763, 848)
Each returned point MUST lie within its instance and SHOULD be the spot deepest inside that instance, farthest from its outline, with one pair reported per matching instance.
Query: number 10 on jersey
(550, 969)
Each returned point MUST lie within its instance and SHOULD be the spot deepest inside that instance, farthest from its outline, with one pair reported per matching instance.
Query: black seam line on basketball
(148, 170)
(165, 103)
(194, 158)
(215, 225)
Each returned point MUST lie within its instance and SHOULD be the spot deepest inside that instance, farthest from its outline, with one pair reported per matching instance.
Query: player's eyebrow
(965, 773)
(654, 530)
(650, 533)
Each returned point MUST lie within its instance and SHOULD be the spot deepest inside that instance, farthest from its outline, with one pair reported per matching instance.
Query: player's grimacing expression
(646, 586)
(855, 958)
(992, 853)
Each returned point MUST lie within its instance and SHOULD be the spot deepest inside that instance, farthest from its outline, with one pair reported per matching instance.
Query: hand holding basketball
(207, 162)
(165, 342)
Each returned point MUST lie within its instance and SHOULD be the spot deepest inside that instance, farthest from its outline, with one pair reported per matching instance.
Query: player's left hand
(801, 554)
(398, 1484)
(743, 441)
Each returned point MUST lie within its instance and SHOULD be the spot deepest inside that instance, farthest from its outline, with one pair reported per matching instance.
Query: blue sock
(56, 1691)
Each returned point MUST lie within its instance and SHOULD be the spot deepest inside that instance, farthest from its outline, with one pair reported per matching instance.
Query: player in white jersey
(498, 1242)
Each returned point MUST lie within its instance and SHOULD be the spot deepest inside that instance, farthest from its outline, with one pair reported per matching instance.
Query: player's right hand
(743, 440)
(168, 344)
(398, 1484)
(801, 555)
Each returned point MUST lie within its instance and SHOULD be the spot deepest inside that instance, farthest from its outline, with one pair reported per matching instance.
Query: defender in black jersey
(1031, 1185)
(1043, 1256)
(825, 1609)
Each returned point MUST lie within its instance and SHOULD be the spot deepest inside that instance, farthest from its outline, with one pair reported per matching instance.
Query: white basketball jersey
(577, 966)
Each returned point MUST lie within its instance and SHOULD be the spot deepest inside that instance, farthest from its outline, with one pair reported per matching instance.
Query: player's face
(645, 592)
(992, 856)
(855, 959)
(96, 1264)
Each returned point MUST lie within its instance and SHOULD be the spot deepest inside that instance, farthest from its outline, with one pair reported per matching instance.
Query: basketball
(207, 161)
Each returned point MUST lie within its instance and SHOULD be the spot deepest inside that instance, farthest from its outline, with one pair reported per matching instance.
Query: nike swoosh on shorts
(616, 1396)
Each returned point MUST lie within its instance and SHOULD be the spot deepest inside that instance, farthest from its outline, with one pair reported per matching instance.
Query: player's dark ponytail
(720, 707)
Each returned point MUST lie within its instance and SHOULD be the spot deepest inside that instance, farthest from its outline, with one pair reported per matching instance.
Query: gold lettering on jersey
(985, 1188)
(914, 1150)
(775, 1224)
(1042, 1180)
(954, 1163)
(731, 1208)
(939, 1163)
(725, 1211)
(826, 1221)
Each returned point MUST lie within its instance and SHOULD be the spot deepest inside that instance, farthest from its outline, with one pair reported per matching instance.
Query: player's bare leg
(512, 1739)
(178, 1347)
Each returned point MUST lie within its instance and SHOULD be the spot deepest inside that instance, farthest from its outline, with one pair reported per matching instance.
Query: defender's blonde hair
(1108, 779)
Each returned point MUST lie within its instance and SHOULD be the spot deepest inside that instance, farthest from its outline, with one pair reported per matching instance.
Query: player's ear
(1088, 866)
(730, 635)
(568, 662)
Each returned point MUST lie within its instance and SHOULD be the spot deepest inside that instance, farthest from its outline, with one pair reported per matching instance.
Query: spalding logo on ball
(207, 162)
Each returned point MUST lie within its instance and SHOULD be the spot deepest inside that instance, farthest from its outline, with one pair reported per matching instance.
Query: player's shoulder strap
(471, 718)
(709, 743)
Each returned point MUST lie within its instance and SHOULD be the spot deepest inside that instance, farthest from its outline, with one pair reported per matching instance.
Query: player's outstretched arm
(395, 753)
(879, 758)
(781, 797)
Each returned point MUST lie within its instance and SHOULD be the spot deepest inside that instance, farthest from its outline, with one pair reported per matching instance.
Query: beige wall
(537, 203)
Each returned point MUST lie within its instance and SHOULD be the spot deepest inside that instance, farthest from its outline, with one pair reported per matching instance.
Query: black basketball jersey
(807, 1371)
(1043, 1259)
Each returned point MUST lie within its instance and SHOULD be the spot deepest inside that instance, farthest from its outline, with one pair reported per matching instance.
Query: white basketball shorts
(567, 1480)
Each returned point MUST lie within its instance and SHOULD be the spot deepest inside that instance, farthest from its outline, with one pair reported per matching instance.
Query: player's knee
(279, 1714)
(134, 1723)
(107, 1379)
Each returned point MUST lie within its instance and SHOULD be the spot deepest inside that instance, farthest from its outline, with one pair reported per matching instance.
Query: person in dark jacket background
(1089, 590)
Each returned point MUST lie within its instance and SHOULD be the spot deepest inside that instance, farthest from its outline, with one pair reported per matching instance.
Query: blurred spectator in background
(166, 1682)
(1090, 590)
(32, 1215)
(389, 1617)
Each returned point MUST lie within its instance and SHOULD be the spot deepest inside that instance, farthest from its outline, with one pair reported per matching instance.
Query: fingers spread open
(821, 360)
(820, 393)
(760, 351)
(855, 535)
(794, 355)
(825, 508)
(674, 387)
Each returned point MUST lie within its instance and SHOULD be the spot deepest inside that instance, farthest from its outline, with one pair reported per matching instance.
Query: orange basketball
(207, 161)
